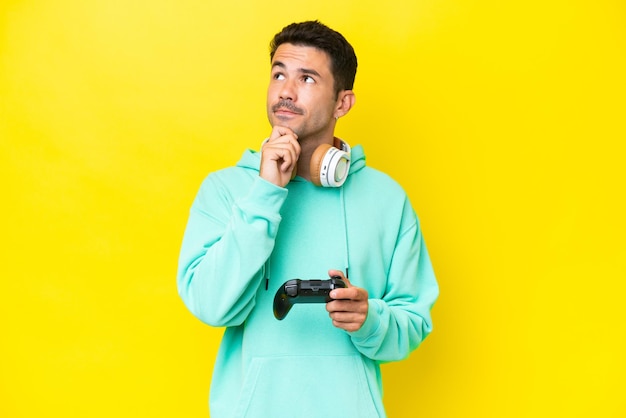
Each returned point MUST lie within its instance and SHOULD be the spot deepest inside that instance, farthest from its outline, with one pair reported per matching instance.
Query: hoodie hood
(251, 159)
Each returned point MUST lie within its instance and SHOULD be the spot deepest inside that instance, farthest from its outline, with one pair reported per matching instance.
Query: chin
(286, 124)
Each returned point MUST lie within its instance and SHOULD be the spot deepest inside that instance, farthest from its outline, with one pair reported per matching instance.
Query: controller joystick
(304, 291)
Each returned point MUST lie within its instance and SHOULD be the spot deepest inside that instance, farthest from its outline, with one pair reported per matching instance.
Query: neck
(308, 147)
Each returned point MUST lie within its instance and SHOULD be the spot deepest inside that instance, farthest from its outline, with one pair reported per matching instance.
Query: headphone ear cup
(316, 163)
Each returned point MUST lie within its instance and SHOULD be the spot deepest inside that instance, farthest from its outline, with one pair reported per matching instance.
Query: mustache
(286, 104)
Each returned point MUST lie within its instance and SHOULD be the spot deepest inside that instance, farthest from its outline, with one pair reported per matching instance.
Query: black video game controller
(304, 291)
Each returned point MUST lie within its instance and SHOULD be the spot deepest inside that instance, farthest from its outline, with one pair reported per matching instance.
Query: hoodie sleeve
(397, 323)
(225, 246)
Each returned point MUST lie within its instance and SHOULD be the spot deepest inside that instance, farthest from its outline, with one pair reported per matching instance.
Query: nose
(287, 90)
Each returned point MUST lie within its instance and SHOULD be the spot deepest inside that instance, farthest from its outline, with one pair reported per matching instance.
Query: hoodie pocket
(309, 387)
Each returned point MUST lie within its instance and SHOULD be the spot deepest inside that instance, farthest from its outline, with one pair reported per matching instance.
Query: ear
(345, 101)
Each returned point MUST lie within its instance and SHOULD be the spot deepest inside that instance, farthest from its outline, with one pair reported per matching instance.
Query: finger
(282, 131)
(281, 151)
(346, 317)
(347, 305)
(289, 158)
(348, 293)
(349, 326)
(347, 322)
(281, 142)
(332, 273)
(276, 148)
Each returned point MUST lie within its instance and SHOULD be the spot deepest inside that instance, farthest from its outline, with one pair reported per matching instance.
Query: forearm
(390, 333)
(400, 320)
(224, 249)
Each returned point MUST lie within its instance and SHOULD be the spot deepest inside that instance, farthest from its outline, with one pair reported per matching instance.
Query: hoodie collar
(251, 159)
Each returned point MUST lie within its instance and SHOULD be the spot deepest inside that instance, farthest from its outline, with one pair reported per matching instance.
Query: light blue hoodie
(245, 237)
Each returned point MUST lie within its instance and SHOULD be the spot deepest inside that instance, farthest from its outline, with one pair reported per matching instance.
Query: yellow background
(503, 120)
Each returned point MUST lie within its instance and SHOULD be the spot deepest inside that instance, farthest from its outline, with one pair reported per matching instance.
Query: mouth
(286, 109)
(283, 114)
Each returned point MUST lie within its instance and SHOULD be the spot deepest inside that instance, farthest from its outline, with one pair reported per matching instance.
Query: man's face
(301, 93)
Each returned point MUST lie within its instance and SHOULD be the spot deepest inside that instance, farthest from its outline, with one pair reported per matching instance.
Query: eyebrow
(300, 70)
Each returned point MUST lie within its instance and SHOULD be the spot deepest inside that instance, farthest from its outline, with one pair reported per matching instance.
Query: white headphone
(330, 165)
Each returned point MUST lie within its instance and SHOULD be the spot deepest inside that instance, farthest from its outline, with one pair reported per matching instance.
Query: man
(281, 214)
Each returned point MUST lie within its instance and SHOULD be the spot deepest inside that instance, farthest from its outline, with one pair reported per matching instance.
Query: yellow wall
(503, 120)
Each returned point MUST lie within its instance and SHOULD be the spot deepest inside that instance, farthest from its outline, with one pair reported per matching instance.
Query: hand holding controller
(304, 291)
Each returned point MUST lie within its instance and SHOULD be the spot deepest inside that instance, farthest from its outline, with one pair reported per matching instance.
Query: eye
(278, 76)
(308, 79)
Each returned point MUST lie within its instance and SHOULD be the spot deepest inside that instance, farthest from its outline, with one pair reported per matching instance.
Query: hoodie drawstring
(342, 196)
